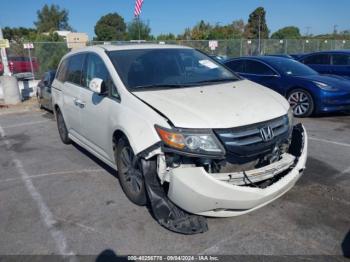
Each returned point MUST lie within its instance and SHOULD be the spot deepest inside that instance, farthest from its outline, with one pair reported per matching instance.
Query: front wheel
(62, 129)
(301, 102)
(130, 173)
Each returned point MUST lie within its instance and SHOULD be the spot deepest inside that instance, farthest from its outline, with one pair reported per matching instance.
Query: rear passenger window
(340, 59)
(75, 66)
(255, 67)
(319, 59)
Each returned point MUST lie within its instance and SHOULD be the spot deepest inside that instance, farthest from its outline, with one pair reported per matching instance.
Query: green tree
(288, 32)
(49, 54)
(110, 27)
(164, 37)
(201, 31)
(19, 33)
(257, 20)
(231, 31)
(207, 31)
(139, 28)
(52, 18)
(186, 35)
(342, 35)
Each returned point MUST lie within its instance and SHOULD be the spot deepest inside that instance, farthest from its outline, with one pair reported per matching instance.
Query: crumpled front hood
(217, 106)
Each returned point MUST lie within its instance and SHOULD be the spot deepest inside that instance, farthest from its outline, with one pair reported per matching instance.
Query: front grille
(246, 142)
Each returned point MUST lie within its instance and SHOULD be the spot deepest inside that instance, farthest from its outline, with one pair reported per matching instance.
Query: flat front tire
(62, 129)
(129, 173)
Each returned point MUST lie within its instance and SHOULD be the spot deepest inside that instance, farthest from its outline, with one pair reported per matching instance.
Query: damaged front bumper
(224, 194)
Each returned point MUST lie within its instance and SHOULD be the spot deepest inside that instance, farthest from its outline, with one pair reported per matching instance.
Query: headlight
(191, 141)
(325, 86)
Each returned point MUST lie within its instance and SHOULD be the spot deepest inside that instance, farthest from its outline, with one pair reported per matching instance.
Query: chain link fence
(45, 56)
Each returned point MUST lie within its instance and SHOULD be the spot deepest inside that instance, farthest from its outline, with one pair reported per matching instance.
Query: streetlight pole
(4, 57)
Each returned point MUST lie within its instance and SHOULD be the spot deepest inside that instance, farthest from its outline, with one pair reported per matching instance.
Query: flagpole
(139, 25)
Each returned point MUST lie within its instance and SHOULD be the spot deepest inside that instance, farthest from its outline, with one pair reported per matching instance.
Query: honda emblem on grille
(266, 133)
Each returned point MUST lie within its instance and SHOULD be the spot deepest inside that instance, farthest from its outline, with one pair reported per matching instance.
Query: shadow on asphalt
(112, 172)
(106, 167)
(320, 172)
(346, 245)
(109, 255)
(337, 114)
(48, 114)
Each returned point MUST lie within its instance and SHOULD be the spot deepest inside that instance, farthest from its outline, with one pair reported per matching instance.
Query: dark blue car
(307, 91)
(329, 62)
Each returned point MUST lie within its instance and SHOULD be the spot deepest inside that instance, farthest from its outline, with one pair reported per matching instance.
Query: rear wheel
(62, 129)
(129, 173)
(301, 102)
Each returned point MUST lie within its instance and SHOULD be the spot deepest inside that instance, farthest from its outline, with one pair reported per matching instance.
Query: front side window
(236, 66)
(96, 68)
(257, 68)
(75, 66)
(341, 59)
(167, 67)
(319, 59)
(62, 71)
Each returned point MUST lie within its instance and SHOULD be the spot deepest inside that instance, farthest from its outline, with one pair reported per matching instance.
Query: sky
(175, 15)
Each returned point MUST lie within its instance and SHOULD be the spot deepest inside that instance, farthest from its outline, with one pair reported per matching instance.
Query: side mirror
(95, 86)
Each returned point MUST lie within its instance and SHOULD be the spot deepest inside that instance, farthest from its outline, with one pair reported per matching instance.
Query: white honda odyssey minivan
(188, 137)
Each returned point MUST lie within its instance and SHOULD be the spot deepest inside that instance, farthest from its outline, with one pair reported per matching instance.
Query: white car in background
(186, 135)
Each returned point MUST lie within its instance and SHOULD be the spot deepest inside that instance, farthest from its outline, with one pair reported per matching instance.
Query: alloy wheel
(133, 175)
(300, 103)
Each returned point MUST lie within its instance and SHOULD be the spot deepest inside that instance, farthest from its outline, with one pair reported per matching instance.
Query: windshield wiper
(165, 86)
(218, 80)
(156, 86)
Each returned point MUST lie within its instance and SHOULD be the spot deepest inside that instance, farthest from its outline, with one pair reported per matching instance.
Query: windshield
(292, 68)
(167, 68)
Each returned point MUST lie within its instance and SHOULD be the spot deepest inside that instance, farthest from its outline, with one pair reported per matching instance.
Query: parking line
(26, 124)
(45, 213)
(329, 141)
(71, 172)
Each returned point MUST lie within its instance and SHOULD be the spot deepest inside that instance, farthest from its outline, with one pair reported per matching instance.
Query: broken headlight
(191, 141)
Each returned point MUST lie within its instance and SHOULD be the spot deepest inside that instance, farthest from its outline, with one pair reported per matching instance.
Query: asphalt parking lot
(58, 199)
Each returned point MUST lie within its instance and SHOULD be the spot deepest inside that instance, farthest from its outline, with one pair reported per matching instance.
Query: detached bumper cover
(198, 192)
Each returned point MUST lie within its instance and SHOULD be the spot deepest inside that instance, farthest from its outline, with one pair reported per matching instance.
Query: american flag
(138, 6)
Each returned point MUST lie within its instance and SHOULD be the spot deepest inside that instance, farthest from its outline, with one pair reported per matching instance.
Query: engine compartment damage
(159, 169)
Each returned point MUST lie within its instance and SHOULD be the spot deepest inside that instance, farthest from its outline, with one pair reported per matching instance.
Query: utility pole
(308, 30)
(335, 29)
(4, 57)
(139, 26)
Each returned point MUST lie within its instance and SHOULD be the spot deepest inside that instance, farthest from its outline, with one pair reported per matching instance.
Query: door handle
(79, 103)
(76, 101)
